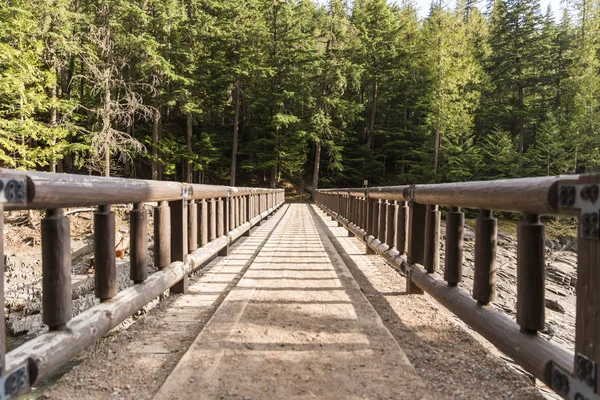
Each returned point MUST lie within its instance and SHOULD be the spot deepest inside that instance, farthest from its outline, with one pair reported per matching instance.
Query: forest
(318, 93)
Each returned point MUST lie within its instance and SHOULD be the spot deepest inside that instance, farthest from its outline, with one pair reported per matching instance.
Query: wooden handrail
(569, 375)
(226, 213)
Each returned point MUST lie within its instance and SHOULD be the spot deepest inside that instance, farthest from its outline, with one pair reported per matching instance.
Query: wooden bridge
(288, 318)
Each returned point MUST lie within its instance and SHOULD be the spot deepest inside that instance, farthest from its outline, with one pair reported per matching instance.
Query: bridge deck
(295, 326)
(282, 316)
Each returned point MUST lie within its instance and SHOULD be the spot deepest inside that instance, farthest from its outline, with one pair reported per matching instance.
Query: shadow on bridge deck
(296, 325)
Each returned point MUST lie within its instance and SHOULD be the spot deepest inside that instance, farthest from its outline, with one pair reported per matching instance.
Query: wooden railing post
(221, 223)
(531, 266)
(2, 297)
(484, 279)
(107, 286)
(232, 213)
(192, 225)
(202, 212)
(247, 212)
(455, 227)
(416, 242)
(432, 239)
(162, 235)
(401, 227)
(365, 213)
(179, 240)
(372, 222)
(351, 213)
(138, 239)
(212, 213)
(381, 221)
(56, 270)
(389, 225)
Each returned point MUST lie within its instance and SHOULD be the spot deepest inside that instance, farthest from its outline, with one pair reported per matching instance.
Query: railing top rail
(43, 190)
(530, 195)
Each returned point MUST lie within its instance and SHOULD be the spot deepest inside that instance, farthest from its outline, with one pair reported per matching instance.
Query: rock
(554, 305)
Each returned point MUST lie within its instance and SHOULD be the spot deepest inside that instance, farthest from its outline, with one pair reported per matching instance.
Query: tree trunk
(155, 146)
(371, 135)
(236, 125)
(106, 130)
(521, 122)
(189, 165)
(53, 123)
(315, 182)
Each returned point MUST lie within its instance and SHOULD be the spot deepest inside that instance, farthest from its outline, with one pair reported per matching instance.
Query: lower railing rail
(192, 224)
(402, 223)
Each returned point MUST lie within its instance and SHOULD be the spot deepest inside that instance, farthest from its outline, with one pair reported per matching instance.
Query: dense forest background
(271, 90)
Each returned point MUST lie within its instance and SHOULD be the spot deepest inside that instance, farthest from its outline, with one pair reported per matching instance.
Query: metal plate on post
(14, 383)
(570, 387)
(186, 192)
(585, 198)
(13, 190)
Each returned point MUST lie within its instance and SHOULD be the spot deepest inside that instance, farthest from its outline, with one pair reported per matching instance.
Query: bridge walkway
(295, 326)
(284, 315)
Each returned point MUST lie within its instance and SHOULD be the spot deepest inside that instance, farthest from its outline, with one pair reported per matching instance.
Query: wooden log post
(455, 227)
(351, 213)
(138, 239)
(364, 213)
(192, 225)
(382, 220)
(232, 213)
(162, 235)
(203, 222)
(2, 314)
(432, 239)
(221, 221)
(106, 285)
(179, 240)
(402, 227)
(484, 279)
(227, 206)
(247, 212)
(373, 221)
(56, 270)
(342, 212)
(212, 217)
(416, 242)
(587, 326)
(531, 274)
(389, 225)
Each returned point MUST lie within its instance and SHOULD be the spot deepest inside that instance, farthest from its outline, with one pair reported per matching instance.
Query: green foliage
(331, 93)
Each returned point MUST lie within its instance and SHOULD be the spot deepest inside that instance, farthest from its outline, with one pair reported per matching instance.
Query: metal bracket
(576, 388)
(186, 192)
(409, 193)
(13, 383)
(13, 190)
(585, 198)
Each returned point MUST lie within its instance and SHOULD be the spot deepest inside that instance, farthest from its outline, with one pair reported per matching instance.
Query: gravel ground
(444, 354)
